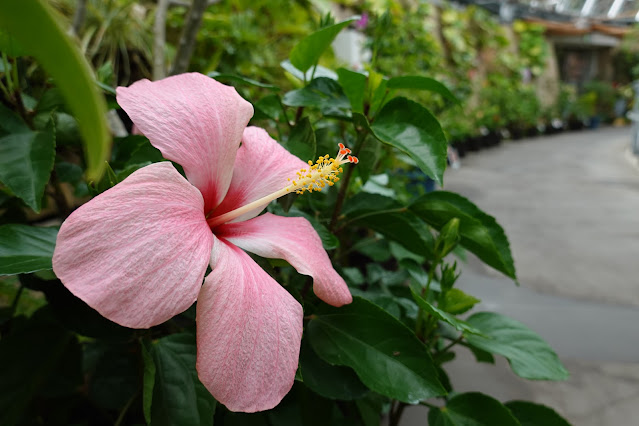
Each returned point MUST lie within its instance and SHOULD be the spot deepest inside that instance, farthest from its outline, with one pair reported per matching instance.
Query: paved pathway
(570, 206)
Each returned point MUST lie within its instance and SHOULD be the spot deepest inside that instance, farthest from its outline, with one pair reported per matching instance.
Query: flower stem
(341, 195)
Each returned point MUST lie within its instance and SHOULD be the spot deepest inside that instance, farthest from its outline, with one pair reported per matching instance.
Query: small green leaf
(415, 82)
(307, 52)
(179, 398)
(354, 85)
(529, 355)
(321, 93)
(329, 381)
(411, 128)
(460, 325)
(480, 233)
(25, 249)
(472, 409)
(385, 354)
(34, 26)
(26, 161)
(318, 71)
(301, 141)
(457, 302)
(530, 414)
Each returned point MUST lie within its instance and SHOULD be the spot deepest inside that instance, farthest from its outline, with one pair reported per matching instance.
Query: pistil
(324, 172)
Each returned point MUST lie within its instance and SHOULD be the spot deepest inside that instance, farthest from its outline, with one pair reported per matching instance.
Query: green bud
(449, 276)
(448, 238)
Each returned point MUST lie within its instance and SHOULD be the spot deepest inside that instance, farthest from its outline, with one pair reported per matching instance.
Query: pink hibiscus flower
(138, 252)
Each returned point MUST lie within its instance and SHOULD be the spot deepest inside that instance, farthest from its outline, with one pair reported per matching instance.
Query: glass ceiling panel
(572, 7)
(601, 7)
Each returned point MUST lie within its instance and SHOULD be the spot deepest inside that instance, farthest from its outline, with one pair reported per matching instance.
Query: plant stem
(16, 299)
(451, 344)
(396, 414)
(347, 178)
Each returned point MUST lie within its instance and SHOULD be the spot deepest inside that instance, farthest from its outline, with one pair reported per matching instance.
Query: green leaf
(29, 356)
(244, 80)
(318, 71)
(386, 355)
(26, 161)
(321, 93)
(416, 82)
(460, 325)
(25, 248)
(307, 52)
(411, 128)
(34, 26)
(391, 219)
(529, 355)
(268, 107)
(354, 85)
(301, 142)
(530, 414)
(457, 302)
(179, 398)
(472, 409)
(480, 233)
(329, 381)
(10, 122)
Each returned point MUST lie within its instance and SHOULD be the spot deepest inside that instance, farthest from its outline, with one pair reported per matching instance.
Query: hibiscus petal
(138, 252)
(194, 121)
(249, 331)
(295, 240)
(262, 166)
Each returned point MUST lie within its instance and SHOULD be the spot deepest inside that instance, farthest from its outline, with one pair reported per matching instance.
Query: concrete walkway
(570, 207)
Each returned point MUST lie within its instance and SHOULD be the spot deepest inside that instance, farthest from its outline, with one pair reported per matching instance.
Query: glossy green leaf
(354, 85)
(25, 248)
(457, 302)
(318, 71)
(530, 414)
(416, 82)
(26, 161)
(391, 219)
(307, 52)
(301, 141)
(29, 356)
(529, 355)
(34, 26)
(411, 128)
(179, 398)
(386, 355)
(472, 409)
(480, 233)
(329, 381)
(441, 315)
(321, 93)
(268, 107)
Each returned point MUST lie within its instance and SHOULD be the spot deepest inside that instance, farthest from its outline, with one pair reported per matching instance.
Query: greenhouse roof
(613, 12)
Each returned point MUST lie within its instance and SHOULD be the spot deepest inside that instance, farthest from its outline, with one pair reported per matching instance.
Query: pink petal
(249, 331)
(138, 252)
(194, 121)
(293, 239)
(262, 167)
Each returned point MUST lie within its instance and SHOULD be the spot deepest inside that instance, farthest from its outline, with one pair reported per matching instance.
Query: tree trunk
(159, 39)
(187, 40)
